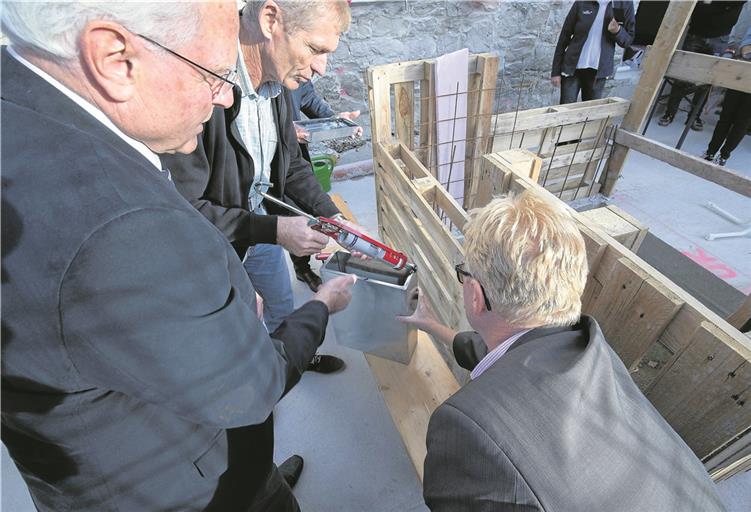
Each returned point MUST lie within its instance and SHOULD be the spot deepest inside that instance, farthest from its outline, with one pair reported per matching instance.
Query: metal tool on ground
(347, 237)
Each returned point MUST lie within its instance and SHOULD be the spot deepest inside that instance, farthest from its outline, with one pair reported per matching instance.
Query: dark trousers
(733, 124)
(584, 80)
(707, 46)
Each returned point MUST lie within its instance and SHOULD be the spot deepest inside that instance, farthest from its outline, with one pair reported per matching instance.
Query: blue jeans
(266, 266)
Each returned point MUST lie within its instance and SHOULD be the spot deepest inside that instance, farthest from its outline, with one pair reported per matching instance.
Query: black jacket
(135, 373)
(216, 177)
(576, 29)
(714, 19)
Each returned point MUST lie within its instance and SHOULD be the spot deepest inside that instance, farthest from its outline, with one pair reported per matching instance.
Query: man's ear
(269, 19)
(477, 299)
(108, 57)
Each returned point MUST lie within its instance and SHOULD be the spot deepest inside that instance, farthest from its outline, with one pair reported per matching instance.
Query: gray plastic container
(369, 323)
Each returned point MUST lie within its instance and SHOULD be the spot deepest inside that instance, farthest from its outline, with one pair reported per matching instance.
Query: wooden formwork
(689, 362)
(573, 140)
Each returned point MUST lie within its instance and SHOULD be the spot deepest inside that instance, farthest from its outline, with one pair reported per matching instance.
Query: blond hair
(528, 254)
(304, 14)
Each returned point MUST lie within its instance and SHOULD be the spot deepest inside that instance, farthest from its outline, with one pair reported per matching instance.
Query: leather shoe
(325, 364)
(290, 470)
(309, 277)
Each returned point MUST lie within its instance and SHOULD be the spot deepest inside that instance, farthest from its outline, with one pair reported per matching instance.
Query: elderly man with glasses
(136, 373)
(550, 418)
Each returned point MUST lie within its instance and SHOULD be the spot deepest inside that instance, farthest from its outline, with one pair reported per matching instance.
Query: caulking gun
(345, 236)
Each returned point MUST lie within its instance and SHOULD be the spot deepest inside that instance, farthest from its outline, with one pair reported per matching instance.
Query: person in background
(550, 418)
(305, 100)
(583, 57)
(251, 148)
(136, 374)
(708, 33)
(735, 118)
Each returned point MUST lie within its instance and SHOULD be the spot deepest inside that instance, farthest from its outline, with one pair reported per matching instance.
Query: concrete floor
(354, 458)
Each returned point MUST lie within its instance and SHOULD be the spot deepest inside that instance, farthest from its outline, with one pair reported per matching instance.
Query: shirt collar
(495, 354)
(91, 109)
(267, 90)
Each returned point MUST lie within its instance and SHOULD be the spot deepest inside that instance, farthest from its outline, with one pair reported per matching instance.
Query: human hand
(555, 80)
(613, 26)
(303, 136)
(294, 234)
(259, 307)
(352, 116)
(423, 318)
(336, 293)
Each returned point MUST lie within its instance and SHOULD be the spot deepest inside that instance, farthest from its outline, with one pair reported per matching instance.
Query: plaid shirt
(257, 127)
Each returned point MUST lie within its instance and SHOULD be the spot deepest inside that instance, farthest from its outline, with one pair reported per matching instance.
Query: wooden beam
(708, 69)
(654, 66)
(685, 162)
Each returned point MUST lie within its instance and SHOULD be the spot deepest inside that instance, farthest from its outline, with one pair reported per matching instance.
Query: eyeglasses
(461, 274)
(230, 77)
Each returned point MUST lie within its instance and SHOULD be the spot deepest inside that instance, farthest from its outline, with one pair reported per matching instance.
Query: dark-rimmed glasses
(230, 77)
(461, 274)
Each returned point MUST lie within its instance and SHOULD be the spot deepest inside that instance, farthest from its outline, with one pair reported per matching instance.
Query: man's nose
(225, 98)
(319, 64)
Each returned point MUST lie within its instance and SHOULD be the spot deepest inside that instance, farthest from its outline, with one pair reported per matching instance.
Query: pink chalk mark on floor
(706, 260)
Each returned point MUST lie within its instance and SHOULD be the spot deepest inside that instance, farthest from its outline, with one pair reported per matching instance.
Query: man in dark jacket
(305, 100)
(708, 33)
(136, 375)
(583, 57)
(252, 147)
(550, 419)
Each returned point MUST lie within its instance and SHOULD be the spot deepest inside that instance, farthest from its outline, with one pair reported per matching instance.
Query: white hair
(53, 27)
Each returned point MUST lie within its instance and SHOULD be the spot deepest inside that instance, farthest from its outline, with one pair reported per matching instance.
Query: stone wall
(523, 34)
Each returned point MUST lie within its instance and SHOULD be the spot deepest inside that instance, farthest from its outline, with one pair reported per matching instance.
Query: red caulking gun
(347, 237)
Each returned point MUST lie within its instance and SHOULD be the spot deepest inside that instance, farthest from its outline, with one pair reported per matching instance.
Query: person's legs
(587, 79)
(569, 89)
(267, 268)
(740, 124)
(729, 104)
(598, 89)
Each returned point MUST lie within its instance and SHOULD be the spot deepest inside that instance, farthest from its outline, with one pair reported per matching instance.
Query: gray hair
(53, 27)
(304, 14)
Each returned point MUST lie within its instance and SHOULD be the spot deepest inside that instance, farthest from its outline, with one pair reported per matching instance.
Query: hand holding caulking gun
(346, 236)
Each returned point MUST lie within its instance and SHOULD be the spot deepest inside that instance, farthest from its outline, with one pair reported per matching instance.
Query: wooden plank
(742, 315)
(632, 309)
(708, 69)
(618, 224)
(404, 103)
(705, 393)
(427, 128)
(655, 64)
(681, 160)
(561, 115)
(413, 391)
(410, 71)
(380, 108)
(731, 459)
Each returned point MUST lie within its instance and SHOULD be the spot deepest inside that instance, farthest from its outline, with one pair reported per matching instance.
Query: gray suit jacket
(135, 373)
(557, 424)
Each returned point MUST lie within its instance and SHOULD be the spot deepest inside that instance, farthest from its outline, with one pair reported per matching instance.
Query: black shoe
(309, 277)
(325, 364)
(666, 119)
(708, 156)
(291, 469)
(721, 160)
(698, 125)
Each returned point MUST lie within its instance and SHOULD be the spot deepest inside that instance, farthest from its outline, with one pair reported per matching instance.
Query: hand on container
(294, 234)
(336, 293)
(352, 116)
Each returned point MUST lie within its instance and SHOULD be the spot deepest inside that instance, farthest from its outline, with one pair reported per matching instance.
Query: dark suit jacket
(135, 374)
(216, 177)
(557, 424)
(575, 30)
